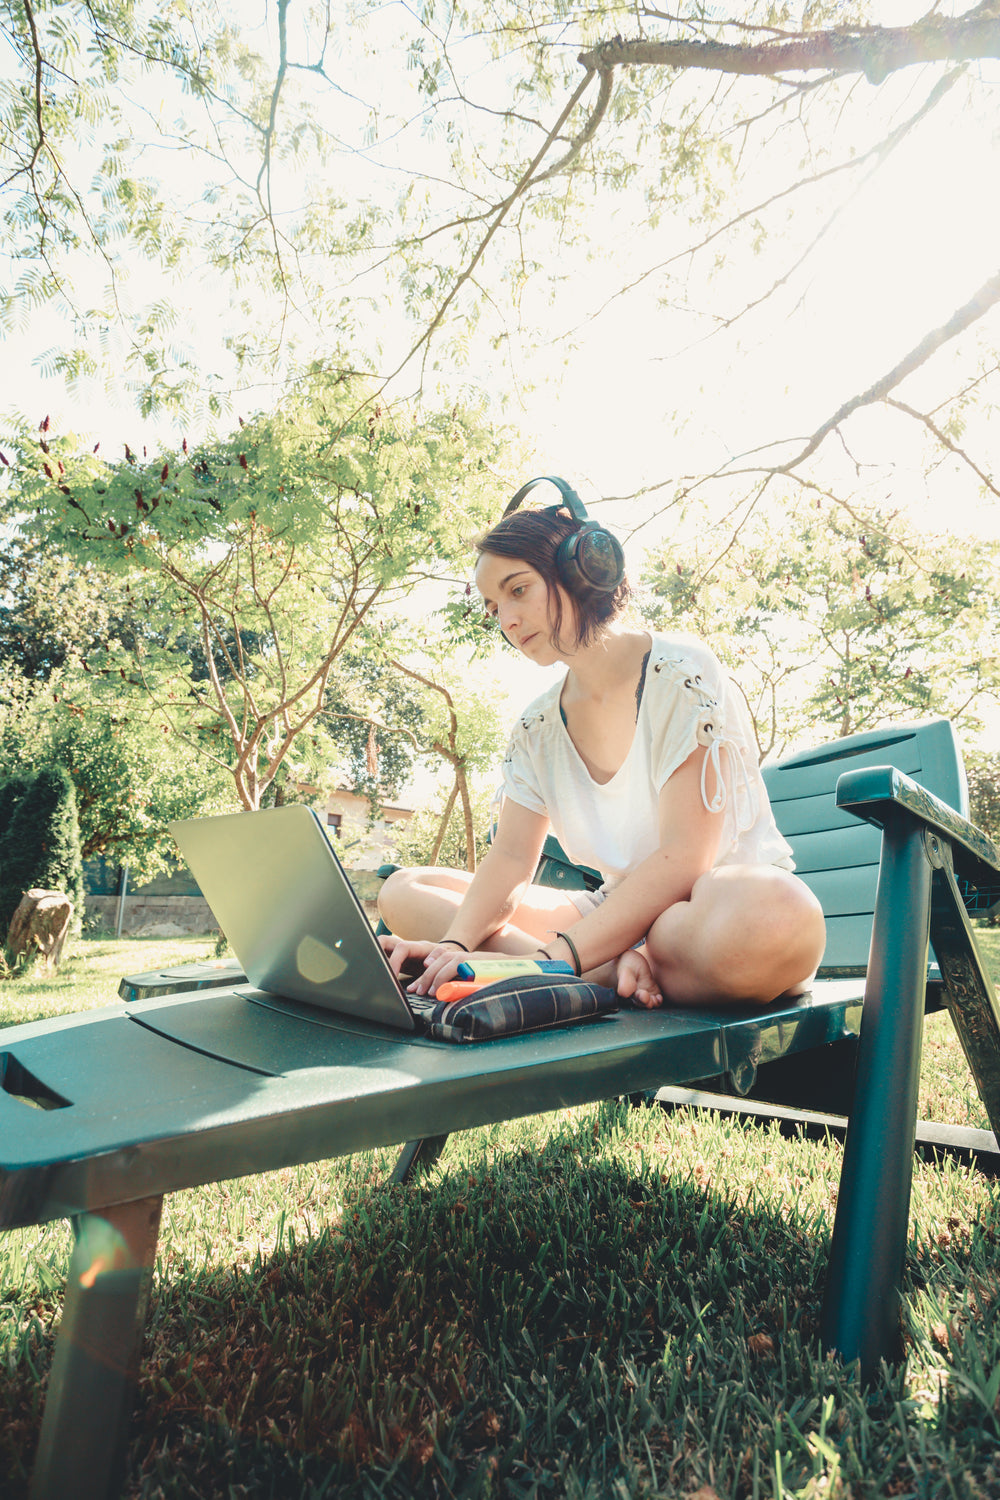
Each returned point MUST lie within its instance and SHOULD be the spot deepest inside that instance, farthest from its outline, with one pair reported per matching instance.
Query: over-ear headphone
(590, 558)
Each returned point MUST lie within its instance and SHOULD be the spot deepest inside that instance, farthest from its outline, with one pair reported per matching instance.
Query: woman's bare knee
(421, 902)
(745, 935)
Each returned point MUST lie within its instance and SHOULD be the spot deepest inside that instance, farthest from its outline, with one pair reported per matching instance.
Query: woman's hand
(635, 980)
(440, 961)
(404, 952)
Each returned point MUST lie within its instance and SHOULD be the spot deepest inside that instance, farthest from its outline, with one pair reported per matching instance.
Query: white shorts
(585, 901)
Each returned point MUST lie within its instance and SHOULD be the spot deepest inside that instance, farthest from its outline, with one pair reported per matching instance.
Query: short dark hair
(533, 536)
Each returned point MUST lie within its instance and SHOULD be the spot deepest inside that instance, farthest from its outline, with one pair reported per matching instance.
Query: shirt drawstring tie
(715, 744)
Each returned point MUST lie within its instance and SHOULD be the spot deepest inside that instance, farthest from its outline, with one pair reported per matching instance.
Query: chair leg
(418, 1156)
(81, 1451)
(861, 1309)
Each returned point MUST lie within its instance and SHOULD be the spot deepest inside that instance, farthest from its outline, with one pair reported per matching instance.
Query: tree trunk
(470, 831)
(443, 825)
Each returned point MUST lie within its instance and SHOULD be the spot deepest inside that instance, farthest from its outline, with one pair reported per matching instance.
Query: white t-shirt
(687, 700)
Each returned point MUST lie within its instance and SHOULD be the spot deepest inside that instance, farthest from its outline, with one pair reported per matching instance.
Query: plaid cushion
(528, 1002)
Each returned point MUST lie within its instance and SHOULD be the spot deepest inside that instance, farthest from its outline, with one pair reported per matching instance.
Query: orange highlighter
(458, 989)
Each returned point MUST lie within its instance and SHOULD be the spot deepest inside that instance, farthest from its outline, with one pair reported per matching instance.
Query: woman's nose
(507, 612)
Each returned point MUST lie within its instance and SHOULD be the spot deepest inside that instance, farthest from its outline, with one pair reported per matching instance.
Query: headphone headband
(590, 557)
(570, 499)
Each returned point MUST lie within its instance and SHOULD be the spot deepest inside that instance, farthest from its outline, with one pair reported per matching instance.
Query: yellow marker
(509, 968)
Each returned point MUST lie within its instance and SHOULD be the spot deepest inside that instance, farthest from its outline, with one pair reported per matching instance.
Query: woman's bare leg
(421, 903)
(748, 934)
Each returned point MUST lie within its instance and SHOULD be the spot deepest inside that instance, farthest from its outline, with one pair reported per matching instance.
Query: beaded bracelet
(572, 948)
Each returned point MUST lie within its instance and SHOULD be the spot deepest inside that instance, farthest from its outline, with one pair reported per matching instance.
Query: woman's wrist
(571, 953)
(457, 943)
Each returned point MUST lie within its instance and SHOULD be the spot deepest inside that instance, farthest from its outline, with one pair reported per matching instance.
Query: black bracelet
(548, 955)
(458, 944)
(572, 948)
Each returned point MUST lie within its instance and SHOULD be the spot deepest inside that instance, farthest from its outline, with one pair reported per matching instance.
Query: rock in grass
(39, 926)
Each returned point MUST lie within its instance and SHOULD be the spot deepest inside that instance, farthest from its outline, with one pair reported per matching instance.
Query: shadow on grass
(544, 1321)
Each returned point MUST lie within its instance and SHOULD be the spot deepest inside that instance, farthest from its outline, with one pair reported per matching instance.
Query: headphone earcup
(591, 558)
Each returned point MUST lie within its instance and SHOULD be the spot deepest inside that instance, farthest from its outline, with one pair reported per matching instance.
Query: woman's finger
(440, 965)
(401, 951)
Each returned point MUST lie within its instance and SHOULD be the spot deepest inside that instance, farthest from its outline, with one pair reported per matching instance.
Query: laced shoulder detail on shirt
(531, 718)
(710, 732)
(525, 722)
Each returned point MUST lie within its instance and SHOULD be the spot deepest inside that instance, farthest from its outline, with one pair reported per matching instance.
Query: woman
(641, 760)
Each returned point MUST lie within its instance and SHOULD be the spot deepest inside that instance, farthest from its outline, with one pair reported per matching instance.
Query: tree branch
(524, 182)
(944, 440)
(586, 134)
(875, 51)
(37, 49)
(986, 297)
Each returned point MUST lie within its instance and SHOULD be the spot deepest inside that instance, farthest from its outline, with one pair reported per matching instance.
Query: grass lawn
(603, 1302)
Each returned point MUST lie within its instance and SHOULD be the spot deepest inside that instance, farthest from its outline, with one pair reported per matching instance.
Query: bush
(39, 841)
(983, 770)
(11, 792)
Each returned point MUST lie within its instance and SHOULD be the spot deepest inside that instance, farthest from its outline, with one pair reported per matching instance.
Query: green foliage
(13, 787)
(418, 841)
(828, 624)
(268, 551)
(40, 842)
(374, 716)
(52, 610)
(983, 770)
(130, 772)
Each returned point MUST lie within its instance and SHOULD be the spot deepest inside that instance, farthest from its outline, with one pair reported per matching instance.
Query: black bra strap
(638, 692)
(642, 683)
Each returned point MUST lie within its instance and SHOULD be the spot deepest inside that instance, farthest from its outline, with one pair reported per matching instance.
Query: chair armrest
(872, 792)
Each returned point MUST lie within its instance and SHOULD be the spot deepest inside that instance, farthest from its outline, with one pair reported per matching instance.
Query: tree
(434, 836)
(468, 738)
(272, 548)
(374, 717)
(40, 842)
(52, 611)
(984, 792)
(507, 131)
(130, 775)
(824, 623)
(452, 716)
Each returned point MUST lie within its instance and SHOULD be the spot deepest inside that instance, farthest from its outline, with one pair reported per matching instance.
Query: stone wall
(148, 915)
(169, 915)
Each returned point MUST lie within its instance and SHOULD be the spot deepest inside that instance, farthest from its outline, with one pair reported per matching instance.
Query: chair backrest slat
(837, 854)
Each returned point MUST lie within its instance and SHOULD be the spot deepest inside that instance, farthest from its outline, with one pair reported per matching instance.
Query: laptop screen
(293, 920)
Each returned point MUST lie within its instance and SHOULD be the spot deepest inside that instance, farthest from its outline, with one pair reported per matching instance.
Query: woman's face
(517, 596)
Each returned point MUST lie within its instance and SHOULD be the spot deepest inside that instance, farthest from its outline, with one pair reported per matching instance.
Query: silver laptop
(280, 895)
